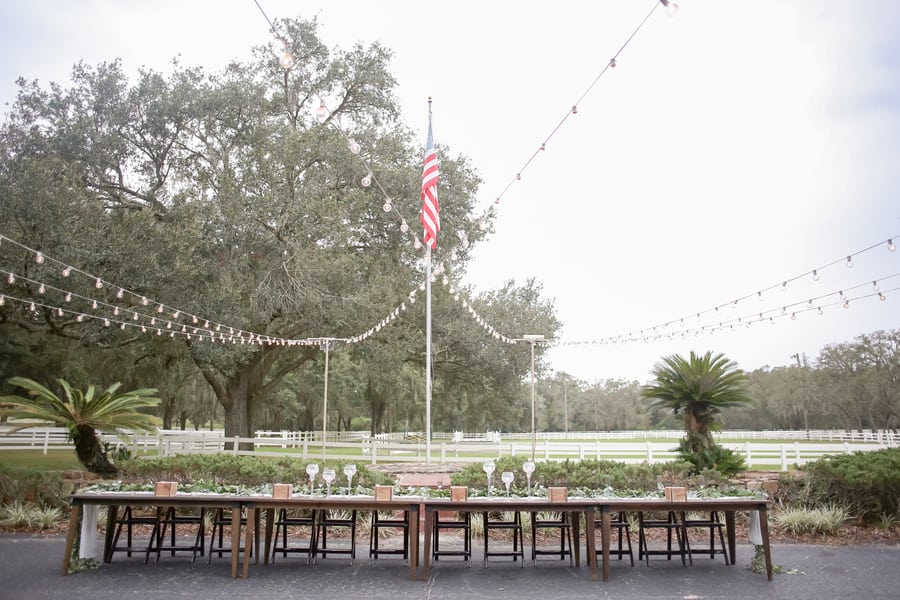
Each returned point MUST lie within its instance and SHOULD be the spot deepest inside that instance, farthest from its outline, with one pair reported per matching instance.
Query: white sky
(734, 147)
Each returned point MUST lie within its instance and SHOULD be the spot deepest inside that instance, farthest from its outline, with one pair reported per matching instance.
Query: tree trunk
(90, 452)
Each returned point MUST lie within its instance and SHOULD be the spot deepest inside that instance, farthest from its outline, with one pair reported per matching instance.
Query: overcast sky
(734, 147)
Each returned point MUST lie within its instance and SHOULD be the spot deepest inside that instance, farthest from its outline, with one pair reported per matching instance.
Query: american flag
(431, 220)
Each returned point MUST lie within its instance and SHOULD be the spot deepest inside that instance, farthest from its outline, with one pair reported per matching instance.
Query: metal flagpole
(428, 353)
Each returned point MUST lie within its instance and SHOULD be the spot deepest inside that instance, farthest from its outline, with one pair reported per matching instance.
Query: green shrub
(242, 471)
(867, 483)
(714, 458)
(18, 514)
(38, 487)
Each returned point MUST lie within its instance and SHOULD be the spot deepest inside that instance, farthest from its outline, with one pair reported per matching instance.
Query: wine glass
(528, 467)
(311, 470)
(349, 471)
(488, 468)
(328, 475)
(507, 477)
(660, 486)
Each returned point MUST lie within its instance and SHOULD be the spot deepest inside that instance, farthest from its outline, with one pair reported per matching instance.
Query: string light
(849, 262)
(39, 258)
(891, 246)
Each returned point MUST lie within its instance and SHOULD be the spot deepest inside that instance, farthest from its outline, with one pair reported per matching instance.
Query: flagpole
(428, 350)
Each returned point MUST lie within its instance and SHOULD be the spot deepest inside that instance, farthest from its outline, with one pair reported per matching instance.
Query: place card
(165, 488)
(384, 492)
(676, 494)
(282, 491)
(558, 494)
(459, 493)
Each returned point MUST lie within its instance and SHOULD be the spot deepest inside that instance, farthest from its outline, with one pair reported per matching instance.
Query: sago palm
(84, 414)
(698, 388)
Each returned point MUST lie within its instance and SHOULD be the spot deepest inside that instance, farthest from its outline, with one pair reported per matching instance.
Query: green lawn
(54, 460)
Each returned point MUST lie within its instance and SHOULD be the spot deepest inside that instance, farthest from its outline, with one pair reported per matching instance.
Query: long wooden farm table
(82, 503)
(606, 507)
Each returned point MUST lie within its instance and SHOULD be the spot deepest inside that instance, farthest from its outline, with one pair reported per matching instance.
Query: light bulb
(32, 307)
(11, 279)
(387, 206)
(846, 304)
(874, 286)
(671, 8)
(815, 275)
(891, 245)
(404, 226)
(367, 180)
(612, 63)
(134, 316)
(159, 309)
(760, 296)
(68, 296)
(67, 271)
(881, 296)
(39, 258)
(98, 284)
(322, 112)
(120, 294)
(42, 289)
(79, 318)
(106, 322)
(354, 146)
(849, 262)
(144, 301)
(94, 305)
(286, 59)
(574, 112)
(417, 245)
(59, 312)
(116, 311)
(784, 286)
(820, 310)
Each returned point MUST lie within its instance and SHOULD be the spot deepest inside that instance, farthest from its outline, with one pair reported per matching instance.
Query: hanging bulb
(758, 295)
(98, 284)
(784, 286)
(116, 311)
(42, 289)
(417, 245)
(846, 303)
(68, 296)
(671, 8)
(122, 326)
(59, 312)
(815, 275)
(11, 279)
(367, 180)
(874, 286)
(32, 307)
(134, 316)
(39, 258)
(891, 245)
(849, 262)
(144, 301)
(159, 309)
(106, 322)
(612, 63)
(354, 146)
(67, 271)
(79, 318)
(286, 59)
(575, 110)
(94, 305)
(404, 226)
(820, 310)
(387, 206)
(322, 111)
(881, 296)
(120, 294)
(793, 316)
(176, 314)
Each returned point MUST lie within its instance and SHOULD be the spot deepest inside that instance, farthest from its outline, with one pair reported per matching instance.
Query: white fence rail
(466, 448)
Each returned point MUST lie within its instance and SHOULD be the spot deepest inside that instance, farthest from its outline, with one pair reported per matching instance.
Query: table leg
(732, 535)
(429, 532)
(590, 539)
(605, 536)
(248, 538)
(235, 539)
(270, 526)
(70, 537)
(764, 530)
(575, 516)
(414, 541)
(112, 513)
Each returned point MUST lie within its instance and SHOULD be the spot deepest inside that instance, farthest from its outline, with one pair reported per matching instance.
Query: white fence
(628, 447)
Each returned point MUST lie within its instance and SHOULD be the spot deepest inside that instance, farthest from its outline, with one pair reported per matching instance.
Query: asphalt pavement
(30, 569)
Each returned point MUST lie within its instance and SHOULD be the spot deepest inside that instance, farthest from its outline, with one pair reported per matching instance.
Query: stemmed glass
(660, 486)
(507, 477)
(349, 471)
(528, 467)
(328, 475)
(311, 470)
(488, 468)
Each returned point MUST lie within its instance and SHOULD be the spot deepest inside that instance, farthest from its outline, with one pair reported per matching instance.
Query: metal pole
(427, 354)
(533, 430)
(326, 346)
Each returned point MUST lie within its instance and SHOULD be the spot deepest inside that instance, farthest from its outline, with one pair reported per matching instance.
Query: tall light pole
(532, 338)
(326, 345)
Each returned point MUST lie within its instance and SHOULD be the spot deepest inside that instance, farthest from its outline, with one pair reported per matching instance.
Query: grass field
(54, 460)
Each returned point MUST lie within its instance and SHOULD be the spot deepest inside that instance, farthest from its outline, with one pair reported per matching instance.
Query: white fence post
(46, 440)
(748, 455)
(783, 457)
(546, 449)
(649, 453)
(443, 452)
